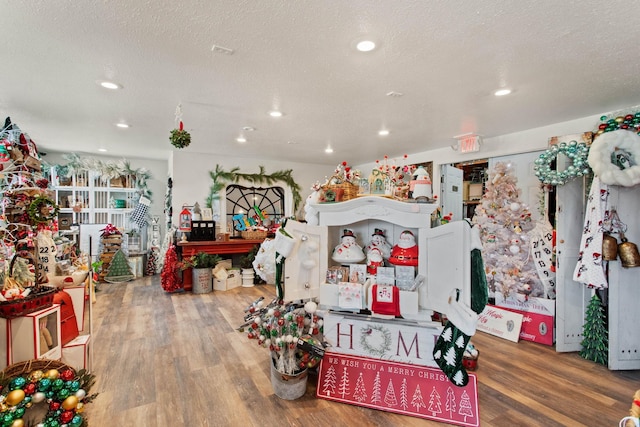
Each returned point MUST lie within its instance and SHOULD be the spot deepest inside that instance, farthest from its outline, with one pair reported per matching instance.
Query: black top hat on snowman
(348, 233)
(378, 232)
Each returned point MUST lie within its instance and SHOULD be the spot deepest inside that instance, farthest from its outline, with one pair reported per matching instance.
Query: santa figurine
(378, 241)
(348, 251)
(405, 252)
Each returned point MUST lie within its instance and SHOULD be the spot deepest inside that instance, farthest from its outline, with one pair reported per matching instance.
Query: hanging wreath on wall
(614, 158)
(42, 210)
(221, 177)
(577, 152)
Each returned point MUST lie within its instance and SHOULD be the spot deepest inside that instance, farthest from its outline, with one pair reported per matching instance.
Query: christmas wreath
(42, 210)
(614, 158)
(63, 392)
(576, 151)
(385, 334)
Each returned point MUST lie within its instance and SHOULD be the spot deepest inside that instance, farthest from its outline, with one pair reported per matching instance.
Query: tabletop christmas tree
(119, 269)
(595, 345)
(504, 223)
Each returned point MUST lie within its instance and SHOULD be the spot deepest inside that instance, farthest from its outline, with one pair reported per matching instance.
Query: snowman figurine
(348, 251)
(378, 241)
(374, 260)
(405, 252)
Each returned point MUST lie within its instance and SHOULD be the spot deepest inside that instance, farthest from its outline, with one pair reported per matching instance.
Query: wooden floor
(177, 360)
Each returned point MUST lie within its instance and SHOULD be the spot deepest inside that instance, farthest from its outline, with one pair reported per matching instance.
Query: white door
(448, 265)
(305, 268)
(451, 191)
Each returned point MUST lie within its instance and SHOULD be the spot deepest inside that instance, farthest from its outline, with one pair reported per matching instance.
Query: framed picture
(207, 214)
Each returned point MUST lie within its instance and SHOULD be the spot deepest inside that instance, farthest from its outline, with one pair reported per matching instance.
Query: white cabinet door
(306, 267)
(571, 297)
(624, 289)
(448, 261)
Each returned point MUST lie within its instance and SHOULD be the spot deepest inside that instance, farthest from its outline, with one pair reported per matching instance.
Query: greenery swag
(107, 171)
(221, 178)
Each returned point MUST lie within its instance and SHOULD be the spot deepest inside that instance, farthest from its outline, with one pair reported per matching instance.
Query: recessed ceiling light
(328, 150)
(102, 150)
(109, 85)
(241, 139)
(366, 45)
(275, 113)
(122, 125)
(502, 92)
(383, 132)
(291, 142)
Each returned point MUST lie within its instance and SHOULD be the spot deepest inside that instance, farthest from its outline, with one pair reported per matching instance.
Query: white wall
(192, 181)
(519, 142)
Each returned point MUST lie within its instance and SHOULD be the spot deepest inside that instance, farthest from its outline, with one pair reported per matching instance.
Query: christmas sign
(418, 391)
(500, 323)
(388, 339)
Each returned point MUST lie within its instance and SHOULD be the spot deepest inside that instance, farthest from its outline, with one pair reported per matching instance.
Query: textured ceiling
(563, 59)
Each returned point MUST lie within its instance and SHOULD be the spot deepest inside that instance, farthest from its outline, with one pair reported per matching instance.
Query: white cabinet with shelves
(444, 259)
(86, 198)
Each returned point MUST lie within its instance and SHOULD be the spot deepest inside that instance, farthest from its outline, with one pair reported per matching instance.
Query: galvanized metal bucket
(202, 280)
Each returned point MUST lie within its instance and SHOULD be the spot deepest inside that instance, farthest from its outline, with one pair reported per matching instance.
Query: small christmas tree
(504, 223)
(595, 342)
(119, 270)
(152, 263)
(169, 276)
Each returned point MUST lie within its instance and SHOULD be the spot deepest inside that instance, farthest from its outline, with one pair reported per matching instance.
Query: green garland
(221, 178)
(576, 152)
(107, 170)
(36, 207)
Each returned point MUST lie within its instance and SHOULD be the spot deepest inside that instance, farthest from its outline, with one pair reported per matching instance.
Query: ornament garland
(221, 177)
(577, 152)
(63, 391)
(367, 331)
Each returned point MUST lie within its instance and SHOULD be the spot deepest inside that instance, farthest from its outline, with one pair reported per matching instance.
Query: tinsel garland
(169, 277)
(221, 178)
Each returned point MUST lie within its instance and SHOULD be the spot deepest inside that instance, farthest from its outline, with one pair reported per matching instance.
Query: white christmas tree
(343, 389)
(376, 397)
(416, 400)
(404, 399)
(390, 395)
(360, 393)
(451, 402)
(329, 384)
(434, 403)
(504, 223)
(465, 406)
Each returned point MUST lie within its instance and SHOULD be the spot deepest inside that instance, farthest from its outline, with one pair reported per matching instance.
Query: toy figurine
(348, 251)
(378, 241)
(405, 252)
